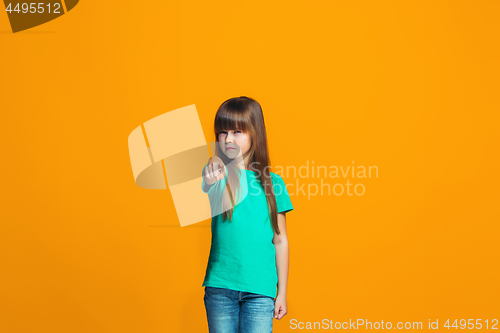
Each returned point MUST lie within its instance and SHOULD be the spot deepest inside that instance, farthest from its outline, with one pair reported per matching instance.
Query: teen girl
(247, 272)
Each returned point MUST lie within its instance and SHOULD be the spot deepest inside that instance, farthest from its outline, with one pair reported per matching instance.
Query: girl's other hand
(215, 170)
(280, 309)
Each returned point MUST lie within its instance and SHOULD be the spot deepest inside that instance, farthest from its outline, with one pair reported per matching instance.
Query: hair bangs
(231, 119)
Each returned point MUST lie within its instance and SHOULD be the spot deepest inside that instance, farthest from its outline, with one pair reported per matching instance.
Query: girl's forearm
(282, 262)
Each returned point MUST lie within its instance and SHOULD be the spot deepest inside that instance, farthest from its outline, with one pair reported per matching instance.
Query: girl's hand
(215, 170)
(280, 309)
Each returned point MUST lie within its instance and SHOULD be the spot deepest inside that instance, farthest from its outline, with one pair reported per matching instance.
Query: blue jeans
(232, 311)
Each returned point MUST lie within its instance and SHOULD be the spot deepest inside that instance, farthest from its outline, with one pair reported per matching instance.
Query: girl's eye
(224, 132)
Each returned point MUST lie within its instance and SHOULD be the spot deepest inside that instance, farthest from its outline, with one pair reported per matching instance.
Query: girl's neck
(243, 163)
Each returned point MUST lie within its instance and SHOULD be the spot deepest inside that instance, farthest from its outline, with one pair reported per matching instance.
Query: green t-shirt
(242, 255)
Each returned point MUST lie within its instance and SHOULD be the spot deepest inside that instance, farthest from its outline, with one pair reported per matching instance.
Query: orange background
(409, 87)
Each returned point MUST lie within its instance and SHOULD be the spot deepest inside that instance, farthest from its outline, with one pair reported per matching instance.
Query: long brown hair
(245, 114)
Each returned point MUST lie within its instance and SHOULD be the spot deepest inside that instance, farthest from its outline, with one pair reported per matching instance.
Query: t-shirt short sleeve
(282, 197)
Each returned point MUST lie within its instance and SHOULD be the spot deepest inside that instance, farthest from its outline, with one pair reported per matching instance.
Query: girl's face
(231, 142)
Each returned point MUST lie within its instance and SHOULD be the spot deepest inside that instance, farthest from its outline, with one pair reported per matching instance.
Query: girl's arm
(281, 245)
